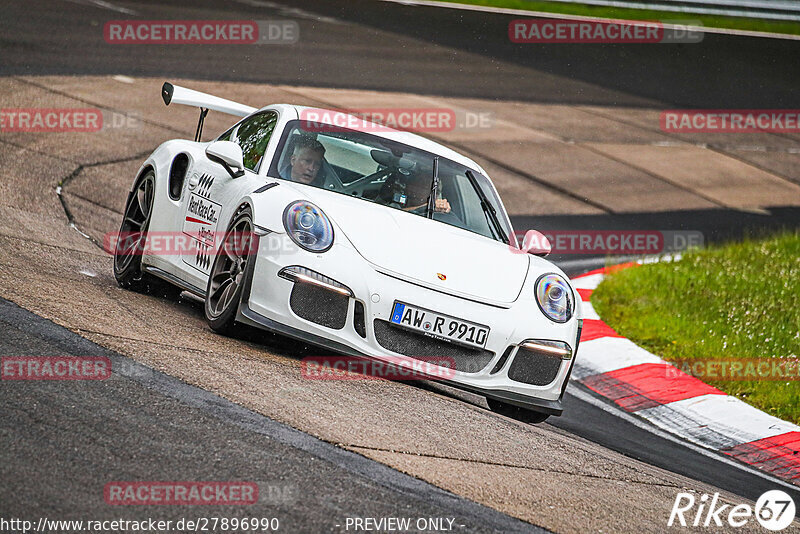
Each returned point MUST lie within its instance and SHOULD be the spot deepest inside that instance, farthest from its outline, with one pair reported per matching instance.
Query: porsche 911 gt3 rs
(364, 240)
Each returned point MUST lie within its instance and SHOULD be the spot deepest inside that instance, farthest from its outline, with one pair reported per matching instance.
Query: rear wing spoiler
(189, 97)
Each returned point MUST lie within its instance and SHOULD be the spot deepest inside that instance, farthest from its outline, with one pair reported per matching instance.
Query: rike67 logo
(774, 510)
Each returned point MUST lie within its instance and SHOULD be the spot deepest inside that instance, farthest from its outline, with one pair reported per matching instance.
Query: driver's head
(418, 188)
(306, 159)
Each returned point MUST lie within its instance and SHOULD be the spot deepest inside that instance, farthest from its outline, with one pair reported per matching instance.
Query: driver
(418, 189)
(306, 162)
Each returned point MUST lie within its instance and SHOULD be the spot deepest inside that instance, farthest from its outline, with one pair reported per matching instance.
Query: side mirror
(229, 155)
(536, 243)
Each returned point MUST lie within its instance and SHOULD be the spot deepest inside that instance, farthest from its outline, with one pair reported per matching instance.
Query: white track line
(105, 5)
(122, 79)
(717, 421)
(290, 11)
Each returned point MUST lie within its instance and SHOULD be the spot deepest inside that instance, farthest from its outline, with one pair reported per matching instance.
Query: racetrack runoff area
(545, 160)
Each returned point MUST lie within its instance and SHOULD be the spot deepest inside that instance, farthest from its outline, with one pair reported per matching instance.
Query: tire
(227, 279)
(133, 235)
(515, 412)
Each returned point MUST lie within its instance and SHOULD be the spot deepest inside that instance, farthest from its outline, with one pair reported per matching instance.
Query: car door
(212, 194)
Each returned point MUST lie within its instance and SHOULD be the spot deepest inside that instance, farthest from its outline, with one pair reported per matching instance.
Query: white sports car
(365, 240)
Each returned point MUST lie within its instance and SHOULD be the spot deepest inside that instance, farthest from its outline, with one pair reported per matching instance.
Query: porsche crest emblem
(441, 276)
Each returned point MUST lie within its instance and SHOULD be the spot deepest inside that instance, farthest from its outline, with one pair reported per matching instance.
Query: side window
(253, 135)
(227, 135)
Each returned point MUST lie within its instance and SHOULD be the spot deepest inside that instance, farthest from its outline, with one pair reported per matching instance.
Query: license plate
(439, 326)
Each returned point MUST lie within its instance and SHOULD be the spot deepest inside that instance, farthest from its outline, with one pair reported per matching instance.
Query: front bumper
(267, 303)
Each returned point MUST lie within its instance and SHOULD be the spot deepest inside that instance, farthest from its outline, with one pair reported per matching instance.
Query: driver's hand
(442, 205)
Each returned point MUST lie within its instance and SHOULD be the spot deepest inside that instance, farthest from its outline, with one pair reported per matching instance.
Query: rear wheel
(226, 282)
(131, 242)
(515, 412)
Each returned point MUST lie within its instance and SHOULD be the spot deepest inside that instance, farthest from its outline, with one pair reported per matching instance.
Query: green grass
(714, 21)
(739, 301)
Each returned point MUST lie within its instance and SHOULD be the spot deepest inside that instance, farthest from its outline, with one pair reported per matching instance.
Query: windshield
(391, 174)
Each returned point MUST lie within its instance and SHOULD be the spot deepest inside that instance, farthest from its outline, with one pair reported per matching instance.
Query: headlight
(308, 226)
(555, 297)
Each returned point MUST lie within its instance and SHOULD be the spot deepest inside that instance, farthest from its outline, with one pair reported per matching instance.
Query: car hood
(428, 252)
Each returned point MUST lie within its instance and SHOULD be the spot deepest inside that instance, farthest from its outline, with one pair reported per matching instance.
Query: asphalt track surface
(67, 445)
(724, 72)
(473, 55)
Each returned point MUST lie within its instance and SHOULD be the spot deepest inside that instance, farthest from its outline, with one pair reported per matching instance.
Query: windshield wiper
(488, 209)
(434, 189)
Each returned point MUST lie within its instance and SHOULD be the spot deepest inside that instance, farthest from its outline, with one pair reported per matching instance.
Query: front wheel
(515, 412)
(226, 282)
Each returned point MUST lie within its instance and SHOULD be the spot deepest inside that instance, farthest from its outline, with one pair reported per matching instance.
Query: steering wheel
(351, 188)
(386, 194)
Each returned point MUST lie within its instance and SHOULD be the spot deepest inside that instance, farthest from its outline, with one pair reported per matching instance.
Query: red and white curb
(643, 384)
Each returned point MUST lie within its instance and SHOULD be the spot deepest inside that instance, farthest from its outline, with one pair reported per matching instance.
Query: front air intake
(318, 305)
(538, 362)
(316, 297)
(424, 348)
